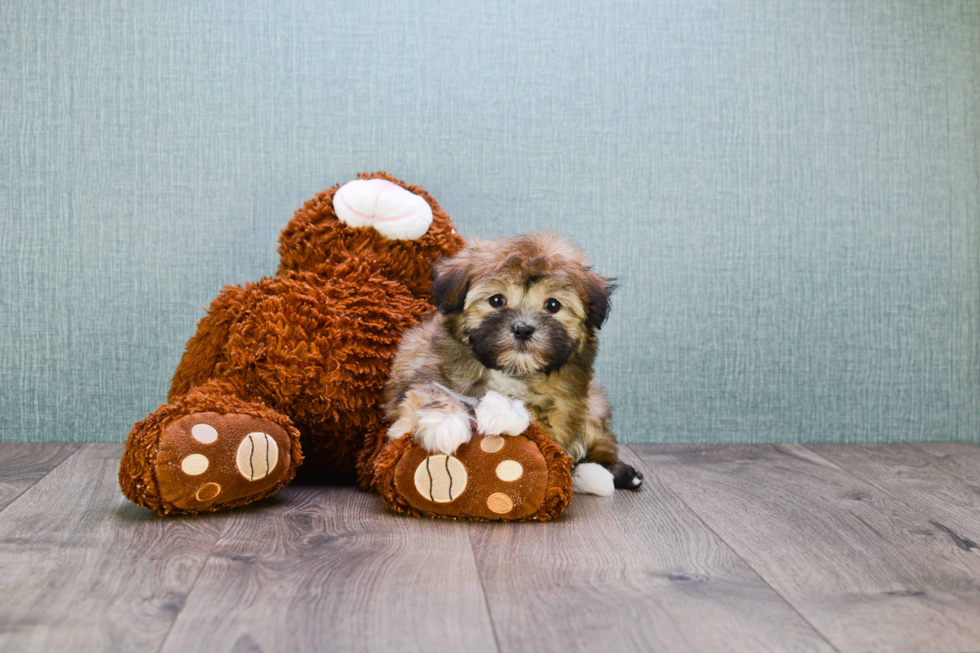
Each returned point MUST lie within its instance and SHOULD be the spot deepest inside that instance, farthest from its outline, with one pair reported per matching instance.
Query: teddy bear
(290, 371)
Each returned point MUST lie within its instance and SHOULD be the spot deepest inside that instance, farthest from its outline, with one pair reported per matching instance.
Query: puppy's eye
(497, 301)
(552, 305)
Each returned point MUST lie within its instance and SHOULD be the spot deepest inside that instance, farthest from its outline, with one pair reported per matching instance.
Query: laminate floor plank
(634, 572)
(329, 569)
(731, 548)
(951, 503)
(85, 570)
(962, 459)
(867, 569)
(22, 464)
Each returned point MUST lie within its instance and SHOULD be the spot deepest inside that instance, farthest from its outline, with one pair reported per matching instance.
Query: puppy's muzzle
(522, 331)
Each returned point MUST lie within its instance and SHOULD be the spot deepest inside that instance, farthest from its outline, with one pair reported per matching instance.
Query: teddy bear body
(314, 346)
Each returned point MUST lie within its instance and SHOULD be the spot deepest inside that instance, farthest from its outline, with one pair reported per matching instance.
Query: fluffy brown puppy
(515, 338)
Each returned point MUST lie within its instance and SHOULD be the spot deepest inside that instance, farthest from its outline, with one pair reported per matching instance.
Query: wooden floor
(727, 548)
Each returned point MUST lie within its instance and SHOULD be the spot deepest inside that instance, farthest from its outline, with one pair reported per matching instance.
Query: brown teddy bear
(291, 369)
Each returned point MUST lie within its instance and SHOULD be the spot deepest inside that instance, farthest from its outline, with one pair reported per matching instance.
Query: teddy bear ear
(386, 207)
(451, 282)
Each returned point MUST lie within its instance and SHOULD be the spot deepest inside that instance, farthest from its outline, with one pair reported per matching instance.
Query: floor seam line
(483, 590)
(193, 584)
(734, 551)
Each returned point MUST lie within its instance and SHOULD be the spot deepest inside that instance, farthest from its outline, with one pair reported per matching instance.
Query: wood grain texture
(730, 548)
(22, 464)
(85, 570)
(329, 569)
(962, 459)
(634, 572)
(951, 503)
(865, 568)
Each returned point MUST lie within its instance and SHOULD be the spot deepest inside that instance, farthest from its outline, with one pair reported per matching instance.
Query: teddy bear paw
(206, 460)
(489, 478)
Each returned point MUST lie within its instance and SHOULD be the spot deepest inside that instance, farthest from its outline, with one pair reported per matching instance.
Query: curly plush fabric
(291, 369)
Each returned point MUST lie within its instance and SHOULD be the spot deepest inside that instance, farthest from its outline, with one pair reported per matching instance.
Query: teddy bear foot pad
(209, 459)
(488, 478)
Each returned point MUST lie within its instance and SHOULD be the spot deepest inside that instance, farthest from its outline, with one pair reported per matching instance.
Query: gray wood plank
(951, 503)
(865, 568)
(331, 570)
(962, 459)
(634, 572)
(22, 464)
(85, 570)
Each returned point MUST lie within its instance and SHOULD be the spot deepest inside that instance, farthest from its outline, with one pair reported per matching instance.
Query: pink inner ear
(381, 185)
(377, 219)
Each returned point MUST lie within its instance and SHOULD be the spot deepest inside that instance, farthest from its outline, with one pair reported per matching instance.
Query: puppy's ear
(451, 282)
(597, 303)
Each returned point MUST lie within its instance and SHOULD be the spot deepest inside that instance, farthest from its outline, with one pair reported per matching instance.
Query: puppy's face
(523, 305)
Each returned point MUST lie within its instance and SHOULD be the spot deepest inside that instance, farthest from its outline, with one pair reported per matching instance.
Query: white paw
(592, 478)
(439, 432)
(500, 415)
(400, 428)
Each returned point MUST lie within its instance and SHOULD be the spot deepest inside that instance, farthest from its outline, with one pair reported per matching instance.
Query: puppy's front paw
(592, 478)
(439, 432)
(500, 415)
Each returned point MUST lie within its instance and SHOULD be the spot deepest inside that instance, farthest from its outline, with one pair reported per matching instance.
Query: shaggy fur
(517, 316)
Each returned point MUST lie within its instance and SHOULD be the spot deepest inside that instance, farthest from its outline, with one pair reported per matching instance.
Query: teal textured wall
(788, 190)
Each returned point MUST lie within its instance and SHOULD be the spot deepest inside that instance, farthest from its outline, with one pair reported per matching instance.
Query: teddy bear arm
(206, 347)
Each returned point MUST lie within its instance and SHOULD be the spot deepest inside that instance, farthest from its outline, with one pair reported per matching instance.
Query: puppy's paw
(439, 432)
(625, 477)
(500, 415)
(400, 428)
(592, 478)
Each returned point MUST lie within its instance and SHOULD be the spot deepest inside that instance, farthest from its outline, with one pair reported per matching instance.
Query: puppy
(514, 339)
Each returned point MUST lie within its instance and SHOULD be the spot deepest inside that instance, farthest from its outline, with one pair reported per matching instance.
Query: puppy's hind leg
(601, 443)
(603, 452)
(592, 478)
(438, 421)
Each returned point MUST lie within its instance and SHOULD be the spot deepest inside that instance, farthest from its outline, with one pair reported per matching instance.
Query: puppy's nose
(523, 330)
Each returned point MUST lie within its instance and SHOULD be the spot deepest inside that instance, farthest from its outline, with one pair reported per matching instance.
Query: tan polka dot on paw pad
(257, 456)
(509, 470)
(207, 492)
(492, 444)
(194, 464)
(500, 503)
(440, 478)
(204, 433)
